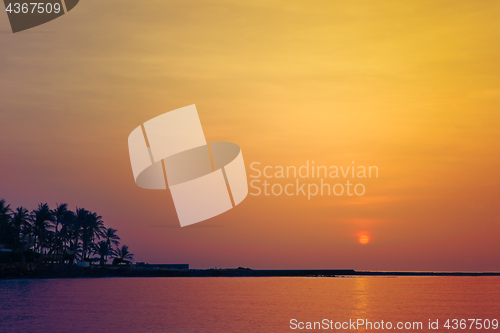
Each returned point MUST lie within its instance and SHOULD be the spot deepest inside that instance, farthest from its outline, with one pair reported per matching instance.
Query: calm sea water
(240, 304)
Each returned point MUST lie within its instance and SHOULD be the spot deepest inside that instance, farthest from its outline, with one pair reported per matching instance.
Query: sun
(363, 239)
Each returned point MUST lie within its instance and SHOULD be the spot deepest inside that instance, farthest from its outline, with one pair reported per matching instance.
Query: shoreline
(31, 271)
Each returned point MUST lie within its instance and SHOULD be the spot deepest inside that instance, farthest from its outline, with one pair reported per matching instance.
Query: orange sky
(412, 88)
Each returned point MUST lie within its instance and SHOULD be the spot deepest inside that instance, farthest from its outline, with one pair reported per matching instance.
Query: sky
(410, 87)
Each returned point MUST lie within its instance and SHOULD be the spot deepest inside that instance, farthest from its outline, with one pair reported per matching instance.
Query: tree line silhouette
(58, 235)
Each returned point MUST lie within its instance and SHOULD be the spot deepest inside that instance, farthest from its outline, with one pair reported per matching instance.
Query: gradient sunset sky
(412, 87)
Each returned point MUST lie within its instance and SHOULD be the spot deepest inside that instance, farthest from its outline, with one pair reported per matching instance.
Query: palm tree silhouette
(20, 220)
(68, 233)
(5, 226)
(103, 250)
(42, 218)
(4, 210)
(123, 255)
(80, 229)
(92, 229)
(59, 215)
(59, 235)
(111, 237)
(96, 227)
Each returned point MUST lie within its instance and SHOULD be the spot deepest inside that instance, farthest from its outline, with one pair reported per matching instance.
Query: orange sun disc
(364, 239)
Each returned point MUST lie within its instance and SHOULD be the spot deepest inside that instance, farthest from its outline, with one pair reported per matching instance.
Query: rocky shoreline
(49, 271)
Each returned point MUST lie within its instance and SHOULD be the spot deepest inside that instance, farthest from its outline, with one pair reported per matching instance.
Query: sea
(251, 304)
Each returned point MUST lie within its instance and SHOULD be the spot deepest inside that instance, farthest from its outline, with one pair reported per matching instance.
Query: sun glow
(363, 239)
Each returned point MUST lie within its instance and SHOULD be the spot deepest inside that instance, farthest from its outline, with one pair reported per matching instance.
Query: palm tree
(59, 213)
(80, 230)
(53, 244)
(59, 231)
(68, 233)
(96, 227)
(123, 256)
(20, 220)
(6, 231)
(64, 217)
(72, 251)
(103, 250)
(4, 210)
(111, 237)
(92, 229)
(41, 217)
